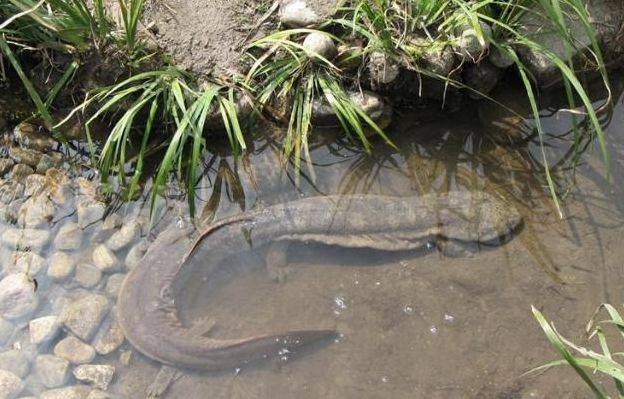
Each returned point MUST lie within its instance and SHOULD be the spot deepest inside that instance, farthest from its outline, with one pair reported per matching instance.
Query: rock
(74, 350)
(33, 239)
(436, 57)
(69, 237)
(44, 329)
(109, 338)
(482, 77)
(128, 233)
(26, 156)
(105, 260)
(136, 254)
(10, 191)
(297, 14)
(59, 188)
(25, 262)
(382, 69)
(96, 375)
(499, 58)
(114, 284)
(112, 222)
(15, 361)
(31, 136)
(20, 171)
(49, 161)
(372, 104)
(98, 394)
(467, 44)
(73, 392)
(61, 266)
(33, 185)
(17, 296)
(52, 371)
(320, 44)
(10, 385)
(5, 165)
(89, 213)
(37, 211)
(87, 276)
(83, 316)
(6, 331)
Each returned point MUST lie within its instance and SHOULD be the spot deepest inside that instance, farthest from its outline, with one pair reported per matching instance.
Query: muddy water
(415, 324)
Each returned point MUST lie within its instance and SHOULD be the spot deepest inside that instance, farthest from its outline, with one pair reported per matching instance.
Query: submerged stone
(74, 350)
(33, 239)
(105, 260)
(96, 375)
(15, 361)
(128, 233)
(10, 385)
(69, 237)
(44, 329)
(109, 338)
(25, 262)
(17, 296)
(73, 392)
(52, 371)
(89, 213)
(83, 316)
(87, 276)
(61, 266)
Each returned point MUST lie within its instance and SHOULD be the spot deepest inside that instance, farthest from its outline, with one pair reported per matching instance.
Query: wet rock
(15, 361)
(88, 189)
(5, 165)
(36, 212)
(69, 237)
(20, 171)
(52, 371)
(105, 260)
(49, 161)
(467, 45)
(98, 394)
(44, 329)
(439, 59)
(372, 104)
(482, 77)
(109, 338)
(10, 191)
(382, 69)
(25, 262)
(96, 375)
(128, 233)
(73, 392)
(112, 222)
(89, 213)
(59, 189)
(6, 331)
(26, 156)
(320, 44)
(74, 350)
(136, 254)
(83, 316)
(61, 266)
(34, 239)
(87, 276)
(114, 284)
(17, 296)
(33, 185)
(10, 385)
(499, 58)
(32, 136)
(297, 14)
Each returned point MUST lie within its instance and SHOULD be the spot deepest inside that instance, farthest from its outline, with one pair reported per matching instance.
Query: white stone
(87, 276)
(128, 233)
(297, 14)
(320, 44)
(15, 361)
(96, 375)
(61, 266)
(17, 296)
(6, 331)
(44, 329)
(69, 237)
(105, 260)
(73, 392)
(99, 394)
(37, 211)
(25, 262)
(89, 213)
(52, 371)
(109, 338)
(74, 350)
(33, 239)
(10, 385)
(83, 316)
(33, 185)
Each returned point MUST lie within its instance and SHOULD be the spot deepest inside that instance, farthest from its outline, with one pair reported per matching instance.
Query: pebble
(25, 262)
(136, 254)
(105, 260)
(96, 375)
(10, 385)
(89, 213)
(69, 237)
(34, 239)
(61, 266)
(109, 338)
(52, 371)
(44, 329)
(5, 166)
(73, 392)
(297, 14)
(74, 350)
(26, 156)
(20, 171)
(382, 69)
(6, 331)
(87, 276)
(128, 233)
(17, 296)
(114, 284)
(320, 44)
(37, 211)
(83, 316)
(34, 185)
(468, 47)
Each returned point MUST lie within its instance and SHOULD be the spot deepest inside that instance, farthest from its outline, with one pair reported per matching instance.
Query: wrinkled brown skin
(146, 307)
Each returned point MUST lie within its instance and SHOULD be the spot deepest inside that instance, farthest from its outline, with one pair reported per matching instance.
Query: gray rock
(61, 266)
(73, 392)
(31, 136)
(128, 233)
(74, 350)
(499, 58)
(52, 371)
(98, 394)
(6, 331)
(15, 361)
(25, 262)
(89, 213)
(5, 165)
(35, 212)
(44, 329)
(87, 276)
(467, 44)
(436, 57)
(96, 375)
(114, 284)
(136, 254)
(69, 237)
(297, 14)
(10, 385)
(372, 104)
(382, 69)
(34, 239)
(10, 191)
(49, 161)
(320, 44)
(20, 171)
(112, 222)
(33, 185)
(17, 296)
(109, 338)
(83, 316)
(105, 260)
(482, 77)
(26, 156)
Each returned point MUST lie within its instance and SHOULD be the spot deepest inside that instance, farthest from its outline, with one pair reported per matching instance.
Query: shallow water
(415, 324)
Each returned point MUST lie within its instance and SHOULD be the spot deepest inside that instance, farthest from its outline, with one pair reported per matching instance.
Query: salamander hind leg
(456, 249)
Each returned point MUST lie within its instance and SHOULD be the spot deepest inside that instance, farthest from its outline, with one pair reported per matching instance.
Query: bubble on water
(433, 330)
(339, 338)
(384, 379)
(237, 371)
(431, 245)
(340, 304)
(356, 282)
(449, 318)
(180, 224)
(377, 283)
(404, 263)
(409, 309)
(283, 351)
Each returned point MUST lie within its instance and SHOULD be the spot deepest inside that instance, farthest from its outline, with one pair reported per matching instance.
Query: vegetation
(587, 362)
(154, 106)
